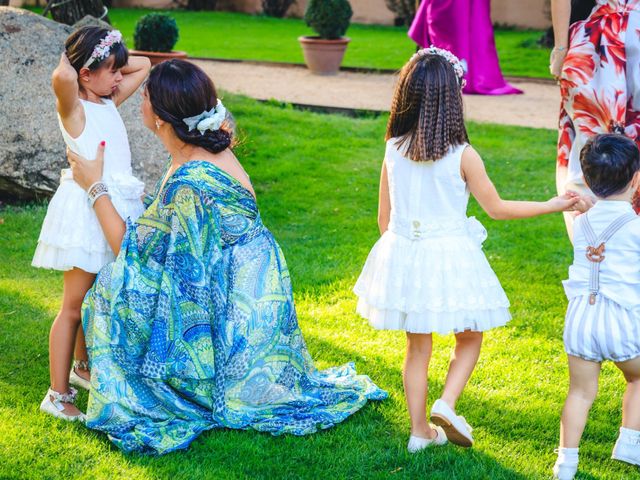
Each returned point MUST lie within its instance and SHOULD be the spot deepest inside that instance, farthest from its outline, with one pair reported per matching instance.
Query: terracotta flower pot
(322, 56)
(157, 57)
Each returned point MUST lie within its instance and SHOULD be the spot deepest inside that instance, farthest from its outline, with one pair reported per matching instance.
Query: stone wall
(519, 13)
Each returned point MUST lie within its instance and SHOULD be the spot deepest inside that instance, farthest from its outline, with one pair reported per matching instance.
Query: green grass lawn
(316, 177)
(247, 37)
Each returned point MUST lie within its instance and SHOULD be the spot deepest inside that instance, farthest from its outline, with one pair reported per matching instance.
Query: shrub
(276, 8)
(201, 4)
(328, 18)
(155, 32)
(404, 10)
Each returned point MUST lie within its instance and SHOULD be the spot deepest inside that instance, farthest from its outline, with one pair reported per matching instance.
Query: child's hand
(584, 204)
(564, 203)
(65, 70)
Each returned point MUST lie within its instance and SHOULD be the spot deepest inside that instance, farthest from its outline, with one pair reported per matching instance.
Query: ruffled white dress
(71, 235)
(427, 273)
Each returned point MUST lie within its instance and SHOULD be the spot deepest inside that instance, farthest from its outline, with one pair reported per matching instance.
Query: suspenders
(595, 254)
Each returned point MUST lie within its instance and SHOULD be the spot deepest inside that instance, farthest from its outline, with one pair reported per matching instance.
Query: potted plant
(155, 36)
(329, 19)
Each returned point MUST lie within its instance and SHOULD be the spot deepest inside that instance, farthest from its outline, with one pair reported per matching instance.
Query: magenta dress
(463, 27)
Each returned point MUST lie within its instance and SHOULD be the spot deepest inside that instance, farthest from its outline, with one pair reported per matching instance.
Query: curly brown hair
(427, 115)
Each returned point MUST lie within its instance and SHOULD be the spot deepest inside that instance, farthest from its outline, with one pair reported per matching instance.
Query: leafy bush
(404, 10)
(276, 8)
(329, 18)
(201, 4)
(155, 32)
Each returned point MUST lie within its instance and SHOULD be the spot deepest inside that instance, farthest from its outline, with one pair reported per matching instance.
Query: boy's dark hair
(427, 114)
(179, 89)
(609, 162)
(80, 44)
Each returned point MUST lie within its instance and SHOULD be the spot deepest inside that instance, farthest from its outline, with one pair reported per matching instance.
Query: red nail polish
(103, 143)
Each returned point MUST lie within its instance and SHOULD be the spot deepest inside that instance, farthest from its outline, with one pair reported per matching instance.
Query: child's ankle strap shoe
(627, 448)
(566, 465)
(77, 380)
(53, 405)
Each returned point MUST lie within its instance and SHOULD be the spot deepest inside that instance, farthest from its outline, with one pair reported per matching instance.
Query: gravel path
(537, 107)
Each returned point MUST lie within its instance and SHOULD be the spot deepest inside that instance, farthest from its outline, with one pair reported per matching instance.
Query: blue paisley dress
(193, 327)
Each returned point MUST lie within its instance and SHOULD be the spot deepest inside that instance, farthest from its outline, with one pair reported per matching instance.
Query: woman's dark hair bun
(179, 89)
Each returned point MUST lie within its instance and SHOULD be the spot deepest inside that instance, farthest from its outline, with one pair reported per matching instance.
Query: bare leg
(64, 330)
(631, 400)
(416, 365)
(463, 361)
(583, 388)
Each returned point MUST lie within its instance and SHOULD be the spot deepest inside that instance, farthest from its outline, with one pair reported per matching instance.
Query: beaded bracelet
(96, 191)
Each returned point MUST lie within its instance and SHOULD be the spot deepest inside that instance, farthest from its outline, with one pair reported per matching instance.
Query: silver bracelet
(97, 196)
(96, 191)
(559, 49)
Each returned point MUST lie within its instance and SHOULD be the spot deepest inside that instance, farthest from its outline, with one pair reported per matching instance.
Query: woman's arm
(384, 202)
(560, 17)
(133, 73)
(85, 174)
(485, 192)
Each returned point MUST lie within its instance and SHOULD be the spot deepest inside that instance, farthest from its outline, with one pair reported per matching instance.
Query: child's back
(619, 275)
(427, 273)
(430, 196)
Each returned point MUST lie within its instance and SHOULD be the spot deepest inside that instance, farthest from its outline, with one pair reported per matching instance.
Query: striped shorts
(603, 331)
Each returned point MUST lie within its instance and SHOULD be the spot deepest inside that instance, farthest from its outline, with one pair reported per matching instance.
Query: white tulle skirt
(438, 283)
(71, 236)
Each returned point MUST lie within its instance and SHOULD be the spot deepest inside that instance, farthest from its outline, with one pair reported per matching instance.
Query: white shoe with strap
(77, 380)
(53, 405)
(419, 443)
(457, 429)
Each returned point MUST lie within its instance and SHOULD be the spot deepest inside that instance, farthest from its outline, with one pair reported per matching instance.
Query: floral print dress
(193, 327)
(600, 82)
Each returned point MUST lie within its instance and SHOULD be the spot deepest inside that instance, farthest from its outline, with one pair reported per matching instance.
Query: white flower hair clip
(103, 49)
(459, 66)
(207, 120)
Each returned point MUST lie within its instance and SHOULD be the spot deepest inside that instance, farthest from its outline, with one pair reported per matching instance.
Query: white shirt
(620, 269)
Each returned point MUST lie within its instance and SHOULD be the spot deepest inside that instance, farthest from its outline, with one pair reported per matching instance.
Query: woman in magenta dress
(463, 27)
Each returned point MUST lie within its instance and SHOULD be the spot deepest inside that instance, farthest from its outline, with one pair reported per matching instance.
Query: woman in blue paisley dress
(193, 327)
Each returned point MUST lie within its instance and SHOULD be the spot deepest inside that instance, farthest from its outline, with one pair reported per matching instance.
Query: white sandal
(55, 407)
(77, 380)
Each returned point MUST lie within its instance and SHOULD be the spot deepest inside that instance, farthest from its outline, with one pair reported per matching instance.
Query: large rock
(31, 146)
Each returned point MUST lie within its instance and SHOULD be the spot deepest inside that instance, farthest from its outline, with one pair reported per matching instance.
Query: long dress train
(193, 327)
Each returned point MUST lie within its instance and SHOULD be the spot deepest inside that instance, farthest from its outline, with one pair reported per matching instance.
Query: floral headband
(103, 49)
(207, 120)
(459, 66)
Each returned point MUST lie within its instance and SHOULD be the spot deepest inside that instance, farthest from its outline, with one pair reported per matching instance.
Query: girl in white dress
(427, 273)
(94, 76)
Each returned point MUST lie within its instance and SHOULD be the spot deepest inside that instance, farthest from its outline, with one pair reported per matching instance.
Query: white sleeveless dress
(427, 273)
(71, 235)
